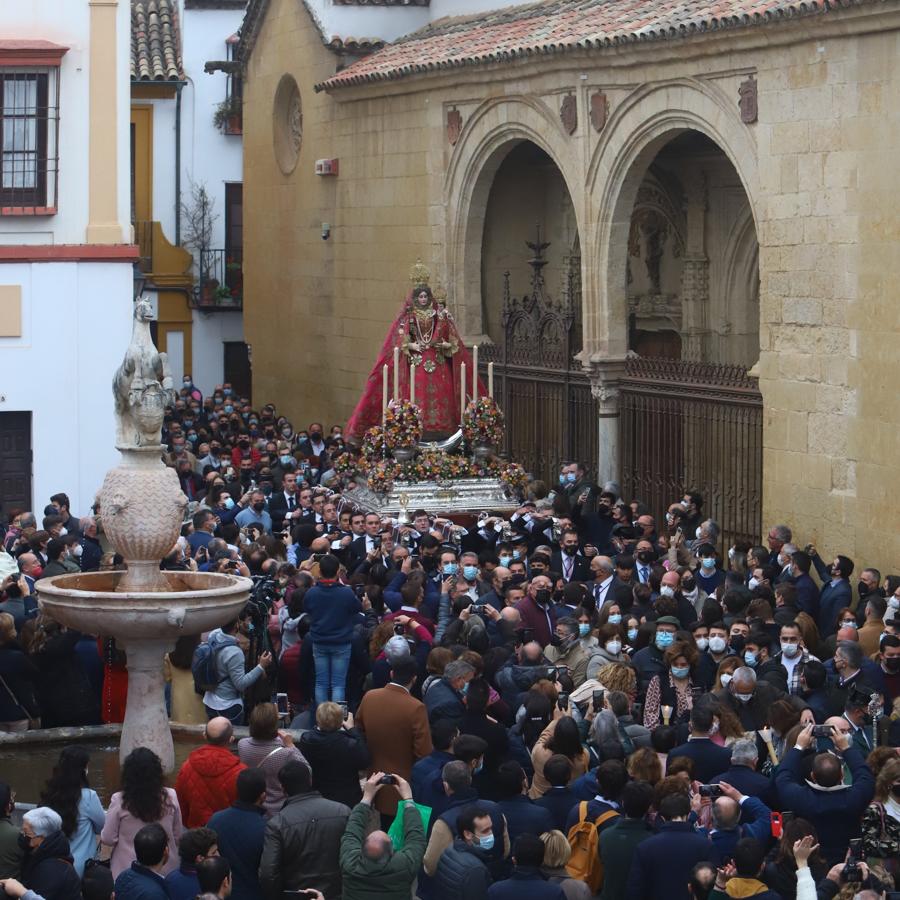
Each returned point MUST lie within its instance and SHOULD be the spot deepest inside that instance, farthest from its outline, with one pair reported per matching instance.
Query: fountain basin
(146, 625)
(194, 602)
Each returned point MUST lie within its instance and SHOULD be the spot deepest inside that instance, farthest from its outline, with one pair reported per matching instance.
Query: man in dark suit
(709, 759)
(284, 507)
(560, 800)
(568, 560)
(522, 815)
(807, 590)
(742, 774)
(836, 591)
(603, 587)
(597, 527)
(363, 545)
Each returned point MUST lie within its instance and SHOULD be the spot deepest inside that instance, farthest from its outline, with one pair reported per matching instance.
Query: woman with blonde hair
(644, 765)
(556, 854)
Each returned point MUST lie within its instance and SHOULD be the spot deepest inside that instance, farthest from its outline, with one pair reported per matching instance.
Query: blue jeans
(332, 663)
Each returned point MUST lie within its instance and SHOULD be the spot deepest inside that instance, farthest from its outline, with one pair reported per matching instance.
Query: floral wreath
(483, 422)
(402, 425)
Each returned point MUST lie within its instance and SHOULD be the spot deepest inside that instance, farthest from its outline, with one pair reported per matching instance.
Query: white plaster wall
(76, 326)
(68, 23)
(207, 155)
(211, 331)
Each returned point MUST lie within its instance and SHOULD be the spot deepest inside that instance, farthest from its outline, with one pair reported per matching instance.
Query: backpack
(204, 669)
(584, 838)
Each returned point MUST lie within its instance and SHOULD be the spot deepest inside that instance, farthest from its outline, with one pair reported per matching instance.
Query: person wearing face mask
(58, 562)
(461, 872)
(569, 560)
(836, 593)
(256, 512)
(670, 587)
(649, 662)
(757, 657)
(536, 609)
(369, 861)
(870, 633)
(793, 656)
(807, 590)
(708, 575)
(566, 649)
(673, 688)
(748, 698)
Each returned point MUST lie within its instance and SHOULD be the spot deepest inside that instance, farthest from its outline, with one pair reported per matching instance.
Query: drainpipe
(178, 88)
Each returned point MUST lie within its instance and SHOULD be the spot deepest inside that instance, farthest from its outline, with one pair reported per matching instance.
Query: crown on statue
(419, 273)
(440, 293)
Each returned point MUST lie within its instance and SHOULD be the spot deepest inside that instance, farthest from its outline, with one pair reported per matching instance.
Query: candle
(396, 373)
(462, 391)
(384, 387)
(490, 379)
(766, 735)
(412, 383)
(475, 372)
(666, 713)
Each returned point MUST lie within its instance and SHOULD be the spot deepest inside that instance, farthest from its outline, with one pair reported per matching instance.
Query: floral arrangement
(513, 477)
(346, 464)
(483, 422)
(381, 476)
(373, 443)
(402, 425)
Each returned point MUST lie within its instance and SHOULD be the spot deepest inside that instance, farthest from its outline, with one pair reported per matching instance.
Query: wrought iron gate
(550, 412)
(689, 425)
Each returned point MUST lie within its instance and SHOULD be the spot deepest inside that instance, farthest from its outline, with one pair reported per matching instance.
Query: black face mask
(24, 842)
(687, 585)
(892, 665)
(645, 556)
(542, 596)
(429, 563)
(895, 790)
(555, 640)
(737, 642)
(862, 588)
(516, 578)
(570, 551)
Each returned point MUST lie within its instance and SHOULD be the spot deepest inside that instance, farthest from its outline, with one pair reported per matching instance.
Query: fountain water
(142, 505)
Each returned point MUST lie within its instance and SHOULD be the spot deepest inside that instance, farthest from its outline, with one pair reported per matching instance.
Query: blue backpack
(204, 668)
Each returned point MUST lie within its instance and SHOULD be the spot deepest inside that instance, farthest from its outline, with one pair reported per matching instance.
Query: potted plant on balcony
(197, 219)
(228, 117)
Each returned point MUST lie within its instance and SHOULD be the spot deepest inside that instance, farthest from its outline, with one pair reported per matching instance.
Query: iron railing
(693, 426)
(221, 282)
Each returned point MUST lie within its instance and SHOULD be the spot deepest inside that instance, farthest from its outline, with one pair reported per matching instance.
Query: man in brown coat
(396, 728)
(870, 634)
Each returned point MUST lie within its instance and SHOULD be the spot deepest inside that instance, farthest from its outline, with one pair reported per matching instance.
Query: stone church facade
(725, 186)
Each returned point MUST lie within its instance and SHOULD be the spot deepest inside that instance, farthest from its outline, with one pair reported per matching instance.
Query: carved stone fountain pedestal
(145, 609)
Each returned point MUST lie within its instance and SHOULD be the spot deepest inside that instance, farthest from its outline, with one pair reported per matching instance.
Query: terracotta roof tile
(553, 26)
(155, 41)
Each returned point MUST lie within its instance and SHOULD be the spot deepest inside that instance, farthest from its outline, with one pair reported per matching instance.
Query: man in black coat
(560, 800)
(742, 774)
(748, 698)
(568, 561)
(709, 759)
(462, 872)
(47, 868)
(522, 815)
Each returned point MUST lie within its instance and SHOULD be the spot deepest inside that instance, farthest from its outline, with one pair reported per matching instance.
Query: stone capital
(605, 375)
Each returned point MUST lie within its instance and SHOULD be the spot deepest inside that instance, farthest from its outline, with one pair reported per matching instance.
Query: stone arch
(742, 268)
(636, 131)
(487, 137)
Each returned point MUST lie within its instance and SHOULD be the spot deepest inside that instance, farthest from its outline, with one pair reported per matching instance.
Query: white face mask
(613, 647)
(77, 550)
(753, 583)
(63, 531)
(702, 643)
(725, 679)
(894, 602)
(667, 591)
(717, 644)
(790, 650)
(697, 533)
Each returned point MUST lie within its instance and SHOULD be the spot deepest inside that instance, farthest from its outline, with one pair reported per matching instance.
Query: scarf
(892, 808)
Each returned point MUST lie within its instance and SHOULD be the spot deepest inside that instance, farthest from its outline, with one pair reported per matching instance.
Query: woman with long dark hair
(142, 801)
(69, 793)
(560, 736)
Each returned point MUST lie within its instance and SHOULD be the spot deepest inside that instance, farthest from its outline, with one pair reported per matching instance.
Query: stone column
(605, 377)
(146, 722)
(695, 270)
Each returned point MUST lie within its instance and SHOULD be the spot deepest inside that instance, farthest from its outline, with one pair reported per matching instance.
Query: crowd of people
(573, 701)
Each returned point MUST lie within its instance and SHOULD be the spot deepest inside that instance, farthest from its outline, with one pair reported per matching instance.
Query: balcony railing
(221, 282)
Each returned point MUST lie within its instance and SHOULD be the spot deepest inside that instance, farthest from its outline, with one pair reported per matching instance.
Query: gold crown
(440, 293)
(419, 273)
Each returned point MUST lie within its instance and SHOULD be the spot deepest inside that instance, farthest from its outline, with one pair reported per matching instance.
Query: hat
(668, 620)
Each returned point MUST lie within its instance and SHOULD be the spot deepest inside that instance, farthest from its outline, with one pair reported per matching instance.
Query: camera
(563, 701)
(398, 628)
(281, 701)
(597, 700)
(551, 673)
(822, 731)
(710, 790)
(852, 871)
(387, 779)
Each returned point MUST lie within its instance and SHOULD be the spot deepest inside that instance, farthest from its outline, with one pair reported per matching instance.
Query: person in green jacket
(371, 869)
(11, 854)
(618, 842)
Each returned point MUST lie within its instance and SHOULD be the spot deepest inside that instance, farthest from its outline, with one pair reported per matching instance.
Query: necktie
(644, 572)
(569, 562)
(290, 504)
(598, 593)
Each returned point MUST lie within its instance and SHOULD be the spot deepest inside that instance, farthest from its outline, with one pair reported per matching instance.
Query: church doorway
(531, 310)
(690, 411)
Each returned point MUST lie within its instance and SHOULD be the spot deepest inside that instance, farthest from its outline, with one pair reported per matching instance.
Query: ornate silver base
(466, 495)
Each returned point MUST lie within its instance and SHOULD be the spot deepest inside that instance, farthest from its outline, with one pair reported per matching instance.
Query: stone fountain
(145, 609)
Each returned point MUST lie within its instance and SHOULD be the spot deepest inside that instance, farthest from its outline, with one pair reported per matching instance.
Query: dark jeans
(234, 714)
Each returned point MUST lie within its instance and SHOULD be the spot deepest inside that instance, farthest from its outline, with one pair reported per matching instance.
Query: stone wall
(816, 167)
